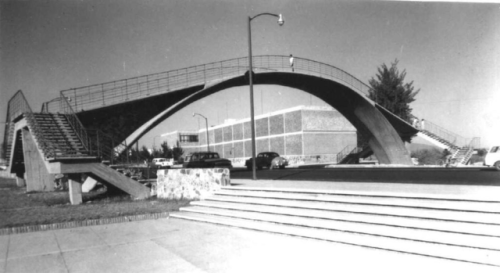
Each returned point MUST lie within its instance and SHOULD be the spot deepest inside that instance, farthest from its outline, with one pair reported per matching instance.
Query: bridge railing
(120, 91)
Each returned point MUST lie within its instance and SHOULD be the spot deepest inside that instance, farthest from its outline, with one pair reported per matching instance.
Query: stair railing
(444, 134)
(76, 124)
(474, 142)
(349, 149)
(16, 107)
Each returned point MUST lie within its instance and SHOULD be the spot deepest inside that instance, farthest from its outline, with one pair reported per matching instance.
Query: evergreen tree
(177, 152)
(389, 90)
(167, 152)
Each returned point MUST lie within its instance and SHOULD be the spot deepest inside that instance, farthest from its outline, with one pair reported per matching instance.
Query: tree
(167, 152)
(144, 153)
(177, 152)
(389, 90)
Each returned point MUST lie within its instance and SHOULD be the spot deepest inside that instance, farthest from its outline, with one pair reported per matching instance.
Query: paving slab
(32, 244)
(78, 238)
(4, 247)
(145, 256)
(176, 245)
(131, 231)
(50, 263)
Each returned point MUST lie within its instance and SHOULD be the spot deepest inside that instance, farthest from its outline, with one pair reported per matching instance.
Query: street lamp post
(281, 21)
(206, 124)
(154, 141)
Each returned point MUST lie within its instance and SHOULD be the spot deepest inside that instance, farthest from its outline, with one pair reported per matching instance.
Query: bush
(428, 157)
(482, 152)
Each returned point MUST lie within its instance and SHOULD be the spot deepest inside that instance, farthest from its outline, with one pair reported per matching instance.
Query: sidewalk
(173, 245)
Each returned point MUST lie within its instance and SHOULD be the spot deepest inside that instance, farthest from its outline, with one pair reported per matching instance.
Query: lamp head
(194, 114)
(281, 21)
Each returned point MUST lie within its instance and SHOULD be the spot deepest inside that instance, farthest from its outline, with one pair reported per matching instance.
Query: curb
(83, 223)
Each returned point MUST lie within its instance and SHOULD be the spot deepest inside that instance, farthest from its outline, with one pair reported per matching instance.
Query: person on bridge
(414, 122)
(291, 62)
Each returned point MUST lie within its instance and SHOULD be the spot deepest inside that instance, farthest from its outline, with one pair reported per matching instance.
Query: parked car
(492, 158)
(206, 160)
(267, 160)
(163, 162)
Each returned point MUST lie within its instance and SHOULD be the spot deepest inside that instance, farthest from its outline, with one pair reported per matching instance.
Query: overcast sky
(449, 50)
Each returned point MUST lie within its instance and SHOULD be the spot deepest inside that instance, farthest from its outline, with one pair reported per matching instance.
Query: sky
(450, 50)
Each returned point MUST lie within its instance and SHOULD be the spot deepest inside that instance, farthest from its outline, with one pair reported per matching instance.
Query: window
(188, 138)
(494, 149)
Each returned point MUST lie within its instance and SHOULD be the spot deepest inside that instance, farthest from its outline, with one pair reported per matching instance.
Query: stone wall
(190, 184)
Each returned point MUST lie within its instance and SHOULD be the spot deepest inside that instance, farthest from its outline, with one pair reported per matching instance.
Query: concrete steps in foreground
(457, 229)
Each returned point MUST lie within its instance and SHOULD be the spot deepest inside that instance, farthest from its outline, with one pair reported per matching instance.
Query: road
(416, 175)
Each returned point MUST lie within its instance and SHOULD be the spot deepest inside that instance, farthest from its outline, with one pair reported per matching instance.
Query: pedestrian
(422, 127)
(291, 62)
(414, 122)
(447, 157)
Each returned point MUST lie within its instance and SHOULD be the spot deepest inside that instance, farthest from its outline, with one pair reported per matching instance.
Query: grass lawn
(18, 208)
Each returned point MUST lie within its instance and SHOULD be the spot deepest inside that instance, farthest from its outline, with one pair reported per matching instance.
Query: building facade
(301, 134)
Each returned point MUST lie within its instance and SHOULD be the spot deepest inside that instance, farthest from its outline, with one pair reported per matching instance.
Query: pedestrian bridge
(127, 109)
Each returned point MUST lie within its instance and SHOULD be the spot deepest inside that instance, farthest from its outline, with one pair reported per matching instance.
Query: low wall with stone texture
(190, 184)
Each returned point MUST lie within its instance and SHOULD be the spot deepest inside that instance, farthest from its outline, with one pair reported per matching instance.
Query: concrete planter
(191, 184)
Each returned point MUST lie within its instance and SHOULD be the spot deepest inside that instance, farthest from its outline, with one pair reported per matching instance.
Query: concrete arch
(363, 113)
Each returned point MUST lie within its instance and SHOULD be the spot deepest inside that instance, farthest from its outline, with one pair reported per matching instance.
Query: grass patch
(18, 208)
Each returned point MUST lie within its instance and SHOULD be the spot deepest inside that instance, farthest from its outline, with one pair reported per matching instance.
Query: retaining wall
(191, 184)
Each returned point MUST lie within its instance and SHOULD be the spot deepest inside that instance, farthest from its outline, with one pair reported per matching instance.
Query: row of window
(188, 138)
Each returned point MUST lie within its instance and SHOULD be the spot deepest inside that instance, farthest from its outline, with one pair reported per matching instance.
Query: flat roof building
(301, 134)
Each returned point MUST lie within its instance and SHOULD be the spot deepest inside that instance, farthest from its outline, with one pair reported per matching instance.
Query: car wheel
(282, 167)
(259, 167)
(249, 167)
(497, 165)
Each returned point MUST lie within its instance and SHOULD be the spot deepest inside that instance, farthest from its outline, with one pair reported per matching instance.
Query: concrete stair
(456, 229)
(55, 137)
(65, 153)
(438, 141)
(463, 155)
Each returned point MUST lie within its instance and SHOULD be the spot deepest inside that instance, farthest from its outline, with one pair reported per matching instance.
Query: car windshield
(213, 155)
(494, 149)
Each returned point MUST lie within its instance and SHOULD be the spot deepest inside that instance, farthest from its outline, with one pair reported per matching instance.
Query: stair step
(429, 213)
(468, 254)
(463, 205)
(382, 219)
(444, 237)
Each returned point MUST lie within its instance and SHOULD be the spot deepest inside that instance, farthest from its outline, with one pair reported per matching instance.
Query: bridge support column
(385, 142)
(20, 182)
(37, 176)
(75, 189)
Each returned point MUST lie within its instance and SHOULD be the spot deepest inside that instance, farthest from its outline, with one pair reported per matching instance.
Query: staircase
(55, 137)
(454, 229)
(351, 155)
(438, 141)
(462, 156)
(66, 153)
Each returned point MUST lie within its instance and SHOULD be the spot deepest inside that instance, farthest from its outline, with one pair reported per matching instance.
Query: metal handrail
(115, 92)
(16, 107)
(77, 125)
(447, 135)
(349, 149)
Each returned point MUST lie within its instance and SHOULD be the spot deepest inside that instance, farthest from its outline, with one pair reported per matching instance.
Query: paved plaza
(174, 245)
